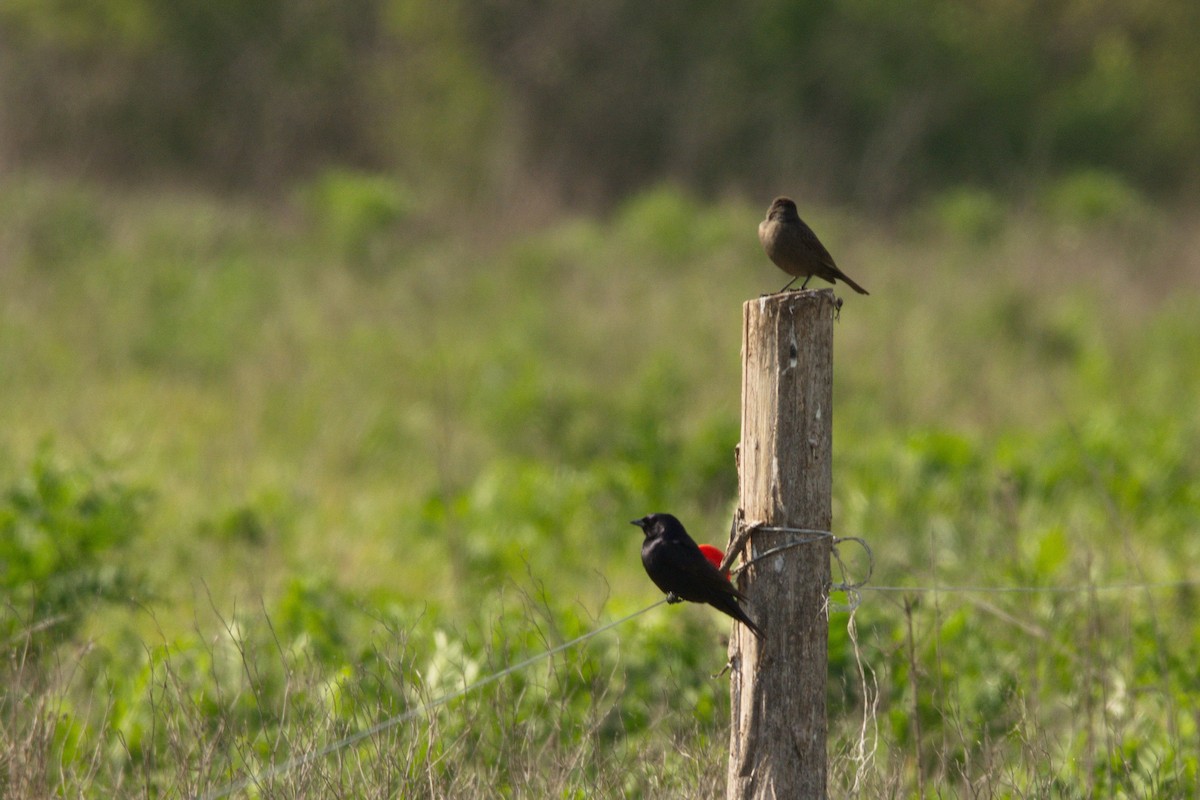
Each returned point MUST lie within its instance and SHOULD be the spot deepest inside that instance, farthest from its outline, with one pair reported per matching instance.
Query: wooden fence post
(777, 741)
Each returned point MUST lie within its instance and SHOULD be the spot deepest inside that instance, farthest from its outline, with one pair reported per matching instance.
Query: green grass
(341, 462)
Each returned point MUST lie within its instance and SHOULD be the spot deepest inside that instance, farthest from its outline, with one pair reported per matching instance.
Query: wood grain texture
(777, 742)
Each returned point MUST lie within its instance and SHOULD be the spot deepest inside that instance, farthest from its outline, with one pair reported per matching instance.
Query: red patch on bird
(714, 555)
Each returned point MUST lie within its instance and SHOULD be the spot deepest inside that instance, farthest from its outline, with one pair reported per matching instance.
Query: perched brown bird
(795, 249)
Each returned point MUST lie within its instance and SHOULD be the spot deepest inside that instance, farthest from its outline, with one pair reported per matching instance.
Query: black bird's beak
(641, 523)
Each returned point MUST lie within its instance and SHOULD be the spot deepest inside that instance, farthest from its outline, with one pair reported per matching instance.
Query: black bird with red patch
(674, 562)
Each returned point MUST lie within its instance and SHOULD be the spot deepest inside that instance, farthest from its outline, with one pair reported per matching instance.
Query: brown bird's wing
(823, 265)
(812, 244)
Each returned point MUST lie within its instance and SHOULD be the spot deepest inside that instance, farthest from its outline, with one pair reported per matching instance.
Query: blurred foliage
(245, 96)
(973, 214)
(864, 100)
(869, 100)
(1092, 198)
(63, 532)
(383, 462)
(357, 212)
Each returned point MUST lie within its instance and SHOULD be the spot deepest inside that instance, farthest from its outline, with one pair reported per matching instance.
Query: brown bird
(795, 249)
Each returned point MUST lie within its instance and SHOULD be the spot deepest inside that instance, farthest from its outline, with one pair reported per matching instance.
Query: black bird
(676, 565)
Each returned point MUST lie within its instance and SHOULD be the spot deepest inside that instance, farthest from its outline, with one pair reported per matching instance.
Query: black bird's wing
(676, 565)
(680, 568)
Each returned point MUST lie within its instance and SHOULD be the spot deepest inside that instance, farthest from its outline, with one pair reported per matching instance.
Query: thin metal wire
(849, 588)
(307, 758)
(782, 529)
(1077, 588)
(853, 588)
(779, 549)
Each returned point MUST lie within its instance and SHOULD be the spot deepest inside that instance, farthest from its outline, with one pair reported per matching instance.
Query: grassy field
(272, 476)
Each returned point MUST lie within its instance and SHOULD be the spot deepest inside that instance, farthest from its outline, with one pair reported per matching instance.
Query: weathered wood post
(777, 742)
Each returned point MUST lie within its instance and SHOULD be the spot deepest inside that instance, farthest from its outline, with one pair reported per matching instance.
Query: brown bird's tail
(842, 276)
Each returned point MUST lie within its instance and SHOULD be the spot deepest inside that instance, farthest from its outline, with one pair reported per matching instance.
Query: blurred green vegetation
(323, 396)
(272, 475)
(63, 532)
(856, 100)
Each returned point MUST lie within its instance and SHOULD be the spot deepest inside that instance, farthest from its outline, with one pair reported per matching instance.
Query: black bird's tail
(730, 606)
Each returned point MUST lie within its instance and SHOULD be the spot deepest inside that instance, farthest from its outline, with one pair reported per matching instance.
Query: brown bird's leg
(804, 285)
(789, 283)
